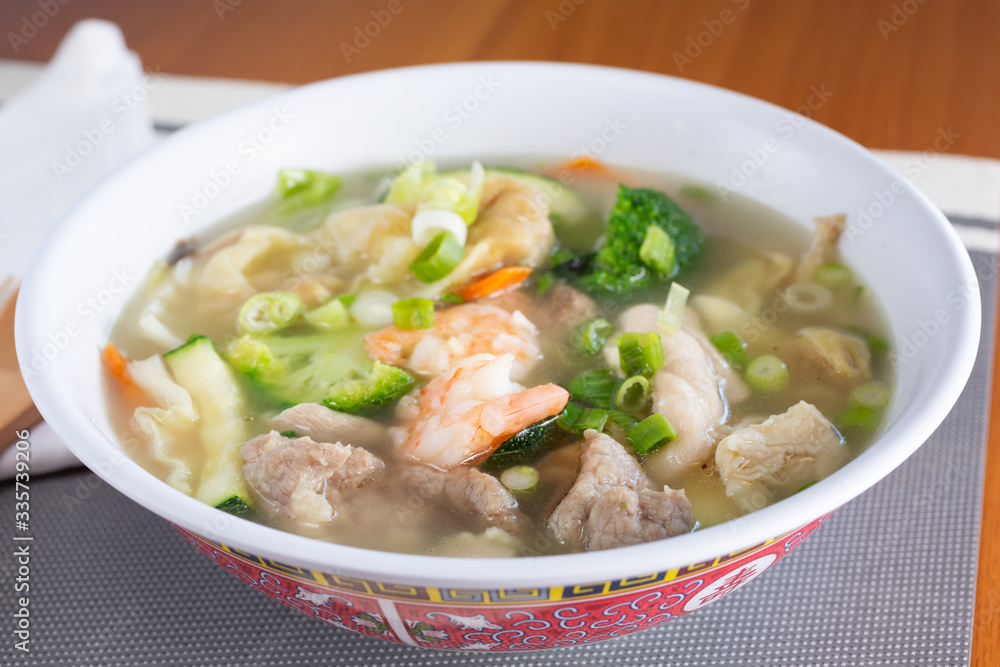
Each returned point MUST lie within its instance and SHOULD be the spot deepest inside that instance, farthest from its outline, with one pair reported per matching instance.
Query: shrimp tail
(508, 415)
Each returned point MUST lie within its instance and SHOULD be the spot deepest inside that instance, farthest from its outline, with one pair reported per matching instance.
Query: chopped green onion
(857, 293)
(805, 487)
(590, 336)
(876, 344)
(832, 274)
(657, 251)
(438, 259)
(594, 418)
(651, 433)
(633, 394)
(595, 386)
(330, 316)
(373, 309)
(269, 311)
(672, 316)
(413, 313)
(421, 184)
(873, 395)
(640, 353)
(767, 374)
(624, 421)
(289, 434)
(731, 347)
(451, 298)
(427, 224)
(859, 416)
(519, 478)
(408, 186)
(348, 299)
(569, 416)
(303, 188)
(453, 194)
(806, 297)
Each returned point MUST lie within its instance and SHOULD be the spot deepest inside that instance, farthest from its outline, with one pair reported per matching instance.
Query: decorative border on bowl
(497, 596)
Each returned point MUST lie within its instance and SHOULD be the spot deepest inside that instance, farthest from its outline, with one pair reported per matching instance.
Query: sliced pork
(306, 480)
(611, 505)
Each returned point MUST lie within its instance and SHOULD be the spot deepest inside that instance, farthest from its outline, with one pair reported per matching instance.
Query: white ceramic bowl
(95, 258)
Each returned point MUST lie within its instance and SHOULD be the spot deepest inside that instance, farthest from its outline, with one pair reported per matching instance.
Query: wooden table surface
(898, 70)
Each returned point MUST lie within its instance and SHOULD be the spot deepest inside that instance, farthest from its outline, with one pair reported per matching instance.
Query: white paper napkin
(85, 114)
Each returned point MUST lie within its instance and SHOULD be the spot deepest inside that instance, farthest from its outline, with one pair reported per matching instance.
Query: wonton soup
(499, 361)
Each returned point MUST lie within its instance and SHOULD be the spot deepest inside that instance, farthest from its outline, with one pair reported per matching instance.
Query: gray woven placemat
(888, 580)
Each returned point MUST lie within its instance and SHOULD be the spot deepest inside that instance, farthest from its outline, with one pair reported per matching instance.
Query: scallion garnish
(427, 224)
(731, 347)
(859, 416)
(519, 478)
(767, 374)
(876, 344)
(413, 313)
(590, 336)
(594, 418)
(672, 316)
(438, 259)
(832, 274)
(640, 353)
(577, 419)
(651, 433)
(569, 416)
(873, 395)
(633, 394)
(269, 311)
(330, 316)
(302, 188)
(657, 251)
(595, 386)
(624, 420)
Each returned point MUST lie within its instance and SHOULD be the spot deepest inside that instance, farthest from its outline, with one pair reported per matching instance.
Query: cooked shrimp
(459, 332)
(460, 417)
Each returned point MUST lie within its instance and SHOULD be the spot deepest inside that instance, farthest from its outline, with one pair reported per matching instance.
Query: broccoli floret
(254, 359)
(617, 269)
(332, 369)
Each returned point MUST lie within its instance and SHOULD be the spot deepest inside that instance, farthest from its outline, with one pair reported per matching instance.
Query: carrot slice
(587, 166)
(586, 163)
(117, 364)
(500, 280)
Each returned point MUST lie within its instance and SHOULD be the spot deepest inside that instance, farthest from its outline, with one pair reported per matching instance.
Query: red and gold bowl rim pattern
(501, 619)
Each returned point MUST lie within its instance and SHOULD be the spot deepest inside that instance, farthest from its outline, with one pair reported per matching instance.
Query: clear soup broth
(490, 458)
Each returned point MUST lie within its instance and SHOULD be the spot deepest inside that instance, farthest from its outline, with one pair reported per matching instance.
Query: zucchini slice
(198, 368)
